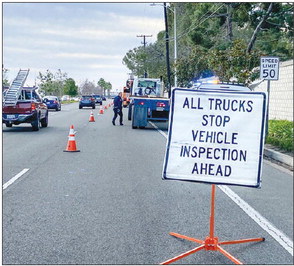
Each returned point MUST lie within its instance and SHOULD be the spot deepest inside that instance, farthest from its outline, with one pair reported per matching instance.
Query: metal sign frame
(261, 141)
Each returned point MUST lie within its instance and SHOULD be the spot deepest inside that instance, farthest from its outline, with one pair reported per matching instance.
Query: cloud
(87, 56)
(104, 66)
(85, 40)
(84, 33)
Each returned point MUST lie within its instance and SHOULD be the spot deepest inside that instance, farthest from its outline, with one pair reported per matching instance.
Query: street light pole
(175, 39)
(175, 44)
(167, 51)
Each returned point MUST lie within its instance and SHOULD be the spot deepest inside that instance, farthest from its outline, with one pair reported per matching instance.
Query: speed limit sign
(269, 67)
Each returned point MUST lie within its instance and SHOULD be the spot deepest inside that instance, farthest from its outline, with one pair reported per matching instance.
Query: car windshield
(147, 83)
(51, 98)
(27, 95)
(86, 97)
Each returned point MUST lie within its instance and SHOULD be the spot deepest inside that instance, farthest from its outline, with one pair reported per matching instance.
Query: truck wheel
(36, 124)
(8, 124)
(94, 107)
(80, 107)
(44, 121)
(133, 120)
(130, 112)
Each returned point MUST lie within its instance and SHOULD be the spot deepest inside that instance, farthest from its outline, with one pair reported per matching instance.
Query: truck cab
(148, 102)
(147, 87)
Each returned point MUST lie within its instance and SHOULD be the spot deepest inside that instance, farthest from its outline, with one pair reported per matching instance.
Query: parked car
(103, 98)
(28, 109)
(87, 101)
(52, 102)
(65, 98)
(98, 98)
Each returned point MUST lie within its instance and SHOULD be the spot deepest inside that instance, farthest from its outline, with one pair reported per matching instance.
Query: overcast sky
(85, 40)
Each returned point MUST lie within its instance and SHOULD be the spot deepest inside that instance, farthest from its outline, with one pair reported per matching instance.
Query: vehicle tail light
(141, 103)
(160, 104)
(33, 106)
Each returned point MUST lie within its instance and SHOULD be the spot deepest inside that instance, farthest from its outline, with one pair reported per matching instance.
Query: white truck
(148, 102)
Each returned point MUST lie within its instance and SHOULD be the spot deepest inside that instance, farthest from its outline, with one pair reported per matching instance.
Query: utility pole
(144, 43)
(167, 51)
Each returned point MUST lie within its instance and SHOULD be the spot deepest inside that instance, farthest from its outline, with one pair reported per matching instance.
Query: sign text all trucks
(216, 137)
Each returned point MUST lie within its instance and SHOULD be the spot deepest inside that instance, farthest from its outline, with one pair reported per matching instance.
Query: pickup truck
(28, 109)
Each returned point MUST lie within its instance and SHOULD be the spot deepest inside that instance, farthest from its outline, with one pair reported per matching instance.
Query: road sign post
(269, 70)
(215, 137)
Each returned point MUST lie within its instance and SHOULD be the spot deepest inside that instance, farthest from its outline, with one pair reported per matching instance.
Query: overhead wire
(201, 22)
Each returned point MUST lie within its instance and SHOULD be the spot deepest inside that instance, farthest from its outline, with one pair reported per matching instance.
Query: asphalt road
(107, 204)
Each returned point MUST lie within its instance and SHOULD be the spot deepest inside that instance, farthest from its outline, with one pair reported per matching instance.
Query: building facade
(281, 92)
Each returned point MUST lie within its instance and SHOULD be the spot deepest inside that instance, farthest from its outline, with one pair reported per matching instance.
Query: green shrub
(280, 134)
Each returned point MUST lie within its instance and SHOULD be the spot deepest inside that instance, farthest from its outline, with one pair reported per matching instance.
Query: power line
(144, 39)
(189, 30)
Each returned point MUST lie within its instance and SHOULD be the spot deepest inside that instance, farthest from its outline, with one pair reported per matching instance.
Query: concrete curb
(278, 156)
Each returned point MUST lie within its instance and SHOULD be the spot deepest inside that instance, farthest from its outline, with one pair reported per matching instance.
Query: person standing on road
(117, 108)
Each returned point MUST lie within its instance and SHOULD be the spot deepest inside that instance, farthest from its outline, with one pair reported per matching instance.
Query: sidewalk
(286, 158)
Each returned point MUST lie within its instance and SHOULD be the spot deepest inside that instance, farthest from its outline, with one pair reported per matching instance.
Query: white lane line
(13, 179)
(159, 130)
(278, 235)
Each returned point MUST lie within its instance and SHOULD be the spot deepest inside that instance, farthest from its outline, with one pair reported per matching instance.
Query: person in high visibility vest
(117, 108)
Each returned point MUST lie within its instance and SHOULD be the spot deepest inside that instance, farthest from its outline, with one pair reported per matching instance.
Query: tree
(70, 87)
(52, 84)
(5, 82)
(105, 86)
(87, 87)
(226, 38)
(46, 82)
(60, 79)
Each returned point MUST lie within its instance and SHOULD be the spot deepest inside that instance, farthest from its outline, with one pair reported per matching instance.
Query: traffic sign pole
(269, 70)
(211, 242)
(267, 111)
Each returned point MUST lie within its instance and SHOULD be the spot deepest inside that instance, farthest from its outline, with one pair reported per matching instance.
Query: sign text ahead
(216, 137)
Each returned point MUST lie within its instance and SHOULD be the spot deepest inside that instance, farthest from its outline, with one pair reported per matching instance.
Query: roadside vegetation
(280, 134)
(226, 38)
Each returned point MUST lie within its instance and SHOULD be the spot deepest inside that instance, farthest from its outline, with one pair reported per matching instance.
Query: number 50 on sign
(269, 67)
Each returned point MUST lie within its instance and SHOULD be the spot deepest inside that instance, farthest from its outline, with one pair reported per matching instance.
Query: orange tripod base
(210, 243)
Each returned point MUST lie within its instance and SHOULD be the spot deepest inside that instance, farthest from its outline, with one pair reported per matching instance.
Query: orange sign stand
(211, 242)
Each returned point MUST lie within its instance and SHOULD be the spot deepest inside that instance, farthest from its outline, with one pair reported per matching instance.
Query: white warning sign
(216, 137)
(269, 67)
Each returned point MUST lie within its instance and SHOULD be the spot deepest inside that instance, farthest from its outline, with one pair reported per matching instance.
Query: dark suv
(98, 98)
(87, 101)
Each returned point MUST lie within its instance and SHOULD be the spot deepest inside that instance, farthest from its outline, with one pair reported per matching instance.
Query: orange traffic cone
(105, 107)
(92, 118)
(101, 112)
(71, 144)
(109, 105)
